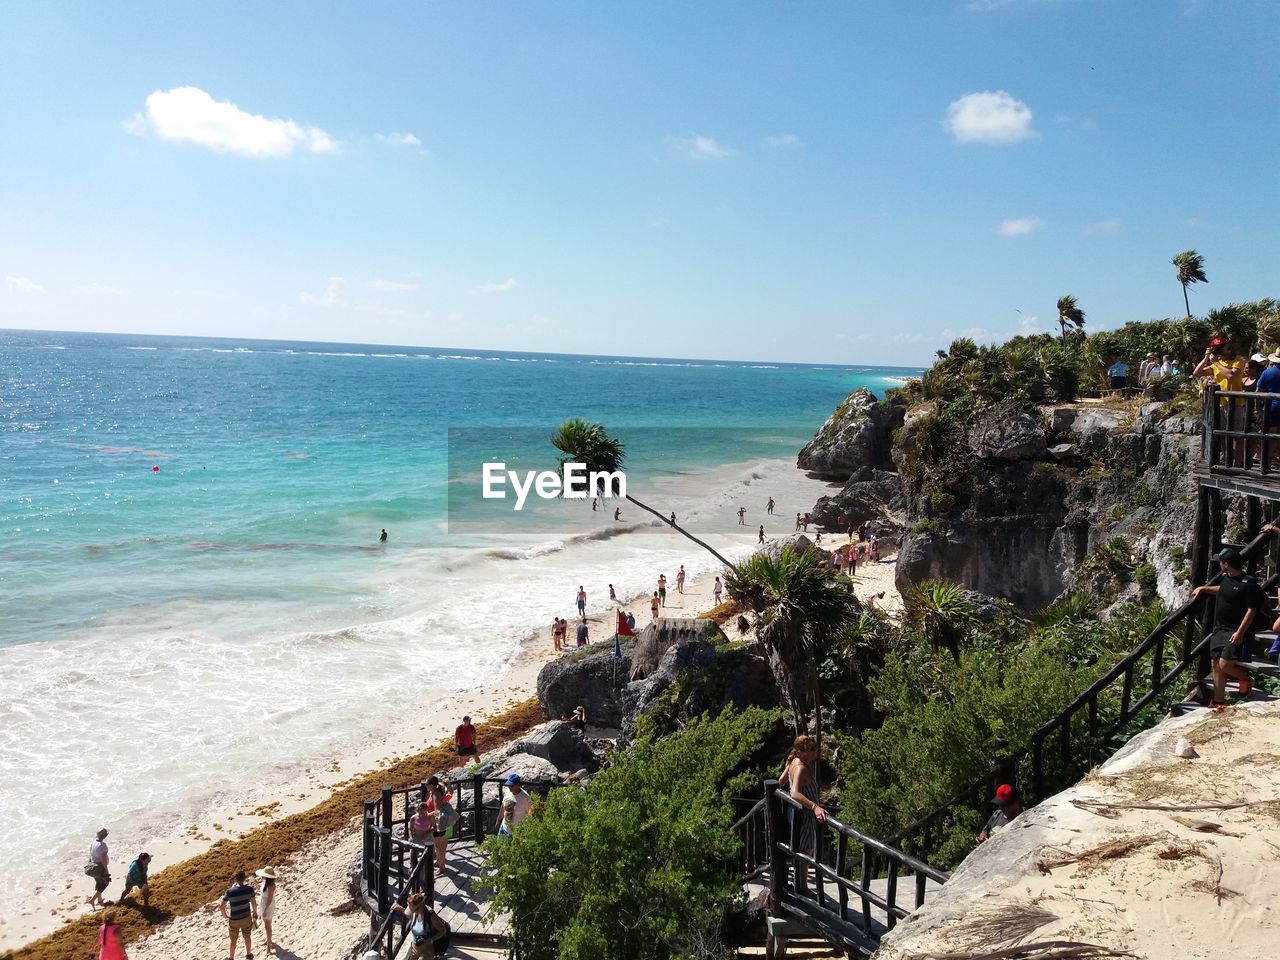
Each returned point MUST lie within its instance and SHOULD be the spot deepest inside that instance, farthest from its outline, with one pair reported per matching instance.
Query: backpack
(446, 816)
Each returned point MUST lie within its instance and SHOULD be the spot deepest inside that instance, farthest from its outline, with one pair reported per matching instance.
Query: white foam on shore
(156, 716)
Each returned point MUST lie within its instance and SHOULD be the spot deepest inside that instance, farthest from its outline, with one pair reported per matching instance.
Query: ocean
(194, 603)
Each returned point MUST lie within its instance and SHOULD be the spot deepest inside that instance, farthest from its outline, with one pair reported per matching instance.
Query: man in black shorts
(1239, 601)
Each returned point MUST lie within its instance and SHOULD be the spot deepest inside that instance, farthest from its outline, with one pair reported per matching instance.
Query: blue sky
(852, 182)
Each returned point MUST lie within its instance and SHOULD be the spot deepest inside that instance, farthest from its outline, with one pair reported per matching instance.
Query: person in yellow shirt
(1221, 366)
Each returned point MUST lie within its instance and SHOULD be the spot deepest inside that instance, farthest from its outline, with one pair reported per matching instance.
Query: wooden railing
(1242, 435)
(393, 866)
(753, 842)
(854, 899)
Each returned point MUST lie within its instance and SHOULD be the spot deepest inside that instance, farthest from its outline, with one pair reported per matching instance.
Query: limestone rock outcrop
(859, 434)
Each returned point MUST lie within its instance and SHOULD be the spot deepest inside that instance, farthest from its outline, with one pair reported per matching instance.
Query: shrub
(637, 864)
(1144, 574)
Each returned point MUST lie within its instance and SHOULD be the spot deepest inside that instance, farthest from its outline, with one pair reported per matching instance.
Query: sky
(853, 182)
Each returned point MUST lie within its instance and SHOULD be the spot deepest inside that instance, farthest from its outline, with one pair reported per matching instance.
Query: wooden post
(477, 799)
(384, 871)
(1210, 426)
(367, 847)
(775, 829)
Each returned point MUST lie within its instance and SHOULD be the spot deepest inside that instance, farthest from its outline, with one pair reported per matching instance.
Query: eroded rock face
(859, 434)
(869, 494)
(1002, 435)
(594, 680)
(1024, 518)
(660, 635)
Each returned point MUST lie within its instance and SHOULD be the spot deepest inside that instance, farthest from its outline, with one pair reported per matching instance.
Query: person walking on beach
(595, 504)
(137, 878)
(464, 736)
(717, 590)
(662, 589)
(804, 523)
(673, 518)
(383, 538)
(797, 521)
(613, 597)
(680, 580)
(584, 636)
(110, 946)
(654, 604)
(515, 806)
(428, 934)
(768, 507)
(267, 901)
(617, 513)
(99, 868)
(557, 635)
(240, 909)
(742, 516)
(582, 601)
(761, 540)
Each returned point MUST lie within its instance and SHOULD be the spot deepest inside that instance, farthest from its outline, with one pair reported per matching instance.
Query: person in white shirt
(100, 862)
(515, 806)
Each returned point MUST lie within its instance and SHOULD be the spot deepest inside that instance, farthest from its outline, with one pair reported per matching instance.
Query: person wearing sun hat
(267, 900)
(1008, 804)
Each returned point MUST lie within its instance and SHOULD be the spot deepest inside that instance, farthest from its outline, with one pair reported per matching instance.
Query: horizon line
(552, 353)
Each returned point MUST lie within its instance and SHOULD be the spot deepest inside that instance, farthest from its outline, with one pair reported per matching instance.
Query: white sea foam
(154, 715)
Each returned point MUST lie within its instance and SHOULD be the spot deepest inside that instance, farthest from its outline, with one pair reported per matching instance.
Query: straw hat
(266, 873)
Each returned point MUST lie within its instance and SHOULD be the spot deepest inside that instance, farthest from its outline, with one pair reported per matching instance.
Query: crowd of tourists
(243, 905)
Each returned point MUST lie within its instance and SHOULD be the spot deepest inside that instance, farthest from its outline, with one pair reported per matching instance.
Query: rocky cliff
(855, 447)
(1022, 505)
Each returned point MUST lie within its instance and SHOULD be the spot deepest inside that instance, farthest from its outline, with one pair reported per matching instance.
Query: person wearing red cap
(1008, 804)
(1220, 365)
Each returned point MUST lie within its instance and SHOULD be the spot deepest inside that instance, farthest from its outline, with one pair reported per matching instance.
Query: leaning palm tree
(1069, 312)
(1190, 267)
(799, 608)
(591, 445)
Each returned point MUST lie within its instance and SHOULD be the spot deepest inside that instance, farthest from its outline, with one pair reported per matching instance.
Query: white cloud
(191, 115)
(103, 290)
(506, 286)
(703, 148)
(392, 286)
(989, 117)
(1110, 225)
(781, 141)
(137, 124)
(332, 296)
(400, 139)
(24, 285)
(1027, 326)
(1019, 226)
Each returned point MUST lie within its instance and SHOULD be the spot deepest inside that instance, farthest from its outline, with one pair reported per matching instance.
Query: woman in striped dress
(801, 784)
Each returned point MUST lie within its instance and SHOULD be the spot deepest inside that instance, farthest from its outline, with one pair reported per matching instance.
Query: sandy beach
(314, 920)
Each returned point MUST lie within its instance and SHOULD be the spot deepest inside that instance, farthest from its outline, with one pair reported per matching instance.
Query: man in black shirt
(1239, 601)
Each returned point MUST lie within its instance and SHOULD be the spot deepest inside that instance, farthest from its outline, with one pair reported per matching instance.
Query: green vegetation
(942, 712)
(638, 864)
(799, 606)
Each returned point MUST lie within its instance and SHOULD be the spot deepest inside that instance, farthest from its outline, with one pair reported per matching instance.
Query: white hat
(266, 873)
(1259, 358)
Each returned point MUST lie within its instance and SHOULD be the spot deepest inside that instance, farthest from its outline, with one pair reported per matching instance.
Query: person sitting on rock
(577, 719)
(1008, 805)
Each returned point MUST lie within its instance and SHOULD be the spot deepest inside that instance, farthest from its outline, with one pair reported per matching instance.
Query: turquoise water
(217, 601)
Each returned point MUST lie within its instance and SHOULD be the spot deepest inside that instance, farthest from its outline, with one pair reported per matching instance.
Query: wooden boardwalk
(461, 899)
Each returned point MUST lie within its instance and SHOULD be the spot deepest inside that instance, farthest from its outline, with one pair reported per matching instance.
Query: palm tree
(589, 444)
(800, 607)
(1190, 266)
(1069, 312)
(943, 612)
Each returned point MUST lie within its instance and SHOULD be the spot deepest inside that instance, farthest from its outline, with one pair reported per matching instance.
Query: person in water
(383, 538)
